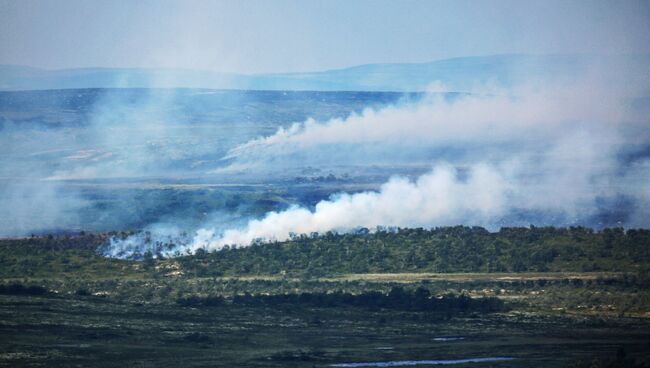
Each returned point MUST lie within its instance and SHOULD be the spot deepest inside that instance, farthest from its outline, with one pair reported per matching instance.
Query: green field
(62, 304)
(83, 331)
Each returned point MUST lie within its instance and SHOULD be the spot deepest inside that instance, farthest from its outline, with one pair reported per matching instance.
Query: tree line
(446, 249)
(398, 298)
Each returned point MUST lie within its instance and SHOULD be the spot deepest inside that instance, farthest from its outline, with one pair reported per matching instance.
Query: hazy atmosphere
(526, 115)
(358, 183)
(307, 36)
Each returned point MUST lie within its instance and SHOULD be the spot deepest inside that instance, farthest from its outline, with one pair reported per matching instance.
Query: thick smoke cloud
(561, 147)
(440, 197)
(437, 197)
(574, 151)
(523, 119)
(560, 154)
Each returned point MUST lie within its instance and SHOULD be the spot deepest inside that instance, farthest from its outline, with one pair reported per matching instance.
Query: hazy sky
(303, 35)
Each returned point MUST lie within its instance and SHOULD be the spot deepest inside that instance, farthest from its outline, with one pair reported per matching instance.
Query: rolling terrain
(583, 299)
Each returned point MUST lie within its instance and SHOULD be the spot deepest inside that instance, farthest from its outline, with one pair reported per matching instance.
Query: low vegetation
(548, 297)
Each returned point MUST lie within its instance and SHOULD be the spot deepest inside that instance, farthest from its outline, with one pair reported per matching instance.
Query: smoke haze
(571, 149)
(553, 154)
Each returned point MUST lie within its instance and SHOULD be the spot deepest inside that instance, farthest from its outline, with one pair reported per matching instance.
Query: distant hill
(445, 249)
(458, 74)
(457, 249)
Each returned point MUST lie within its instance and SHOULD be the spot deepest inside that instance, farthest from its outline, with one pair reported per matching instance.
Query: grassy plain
(94, 331)
(87, 310)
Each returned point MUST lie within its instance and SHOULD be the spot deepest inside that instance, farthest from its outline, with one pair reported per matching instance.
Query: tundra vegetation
(548, 297)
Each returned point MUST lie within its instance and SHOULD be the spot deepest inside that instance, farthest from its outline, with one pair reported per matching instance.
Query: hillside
(439, 250)
(459, 74)
(320, 300)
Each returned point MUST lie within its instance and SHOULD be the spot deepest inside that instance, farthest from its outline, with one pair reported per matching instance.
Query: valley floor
(62, 331)
(309, 303)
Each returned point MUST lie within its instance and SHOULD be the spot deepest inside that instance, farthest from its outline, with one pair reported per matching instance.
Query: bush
(20, 289)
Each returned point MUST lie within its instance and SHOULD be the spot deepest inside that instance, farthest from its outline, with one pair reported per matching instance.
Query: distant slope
(457, 249)
(457, 73)
(441, 250)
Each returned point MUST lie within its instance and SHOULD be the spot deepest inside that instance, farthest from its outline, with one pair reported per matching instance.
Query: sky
(257, 36)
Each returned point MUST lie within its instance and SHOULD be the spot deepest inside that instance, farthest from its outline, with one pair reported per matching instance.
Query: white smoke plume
(524, 117)
(441, 197)
(546, 155)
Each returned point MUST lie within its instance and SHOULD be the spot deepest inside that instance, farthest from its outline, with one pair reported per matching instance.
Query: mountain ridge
(459, 73)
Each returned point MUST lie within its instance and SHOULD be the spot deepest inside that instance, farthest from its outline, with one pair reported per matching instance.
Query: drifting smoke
(75, 160)
(441, 197)
(28, 203)
(123, 134)
(564, 148)
(549, 155)
(524, 119)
